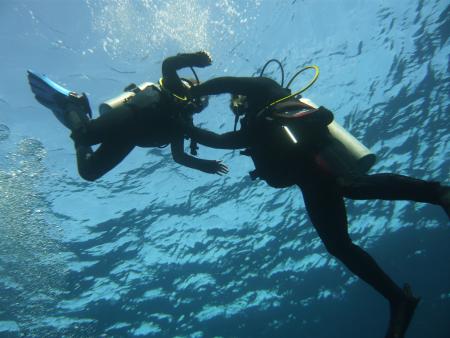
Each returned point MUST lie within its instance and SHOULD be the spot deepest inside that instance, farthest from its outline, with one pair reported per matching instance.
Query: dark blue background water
(155, 249)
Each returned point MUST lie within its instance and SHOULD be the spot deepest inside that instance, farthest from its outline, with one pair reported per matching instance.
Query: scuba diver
(292, 142)
(146, 115)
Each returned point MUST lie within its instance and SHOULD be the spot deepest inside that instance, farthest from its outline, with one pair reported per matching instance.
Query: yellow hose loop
(182, 98)
(314, 79)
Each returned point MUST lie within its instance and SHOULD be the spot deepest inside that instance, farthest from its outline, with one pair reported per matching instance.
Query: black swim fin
(402, 314)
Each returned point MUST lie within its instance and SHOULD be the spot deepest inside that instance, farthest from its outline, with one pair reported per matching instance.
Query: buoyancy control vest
(283, 137)
(312, 133)
(147, 96)
(292, 132)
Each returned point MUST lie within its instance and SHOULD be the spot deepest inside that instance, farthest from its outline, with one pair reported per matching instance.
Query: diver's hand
(217, 167)
(201, 59)
(221, 169)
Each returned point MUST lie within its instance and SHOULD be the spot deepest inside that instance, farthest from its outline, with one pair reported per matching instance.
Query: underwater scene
(153, 248)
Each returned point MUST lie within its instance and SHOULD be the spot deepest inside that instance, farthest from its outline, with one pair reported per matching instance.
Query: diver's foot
(78, 111)
(402, 313)
(444, 199)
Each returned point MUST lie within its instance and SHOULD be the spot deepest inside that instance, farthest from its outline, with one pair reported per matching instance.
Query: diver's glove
(201, 59)
(215, 167)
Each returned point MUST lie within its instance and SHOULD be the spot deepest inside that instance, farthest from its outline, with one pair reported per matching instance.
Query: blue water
(157, 250)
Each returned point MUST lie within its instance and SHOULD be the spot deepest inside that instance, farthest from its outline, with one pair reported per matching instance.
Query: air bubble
(4, 132)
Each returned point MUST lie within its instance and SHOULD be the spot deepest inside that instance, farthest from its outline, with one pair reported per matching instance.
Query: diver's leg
(116, 125)
(93, 165)
(390, 187)
(395, 187)
(327, 212)
(116, 131)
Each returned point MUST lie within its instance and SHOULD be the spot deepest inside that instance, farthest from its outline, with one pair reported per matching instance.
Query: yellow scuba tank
(343, 154)
(134, 96)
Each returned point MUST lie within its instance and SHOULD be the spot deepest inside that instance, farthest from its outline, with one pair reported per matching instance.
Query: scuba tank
(340, 153)
(134, 96)
(343, 153)
(148, 94)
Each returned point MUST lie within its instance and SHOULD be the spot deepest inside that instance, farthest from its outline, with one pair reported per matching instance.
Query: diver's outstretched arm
(248, 86)
(207, 166)
(173, 63)
(230, 140)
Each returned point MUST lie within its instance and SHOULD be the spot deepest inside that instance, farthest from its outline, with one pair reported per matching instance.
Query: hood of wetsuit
(239, 105)
(197, 104)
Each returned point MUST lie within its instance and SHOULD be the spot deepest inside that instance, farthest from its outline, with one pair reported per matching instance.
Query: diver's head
(195, 104)
(239, 107)
(239, 104)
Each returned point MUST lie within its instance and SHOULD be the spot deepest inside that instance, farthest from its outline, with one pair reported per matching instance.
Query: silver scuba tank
(344, 154)
(141, 96)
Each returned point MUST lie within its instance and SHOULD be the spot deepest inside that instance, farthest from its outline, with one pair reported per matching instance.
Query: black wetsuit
(118, 132)
(282, 165)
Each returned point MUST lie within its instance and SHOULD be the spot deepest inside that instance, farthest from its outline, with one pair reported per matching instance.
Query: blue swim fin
(59, 99)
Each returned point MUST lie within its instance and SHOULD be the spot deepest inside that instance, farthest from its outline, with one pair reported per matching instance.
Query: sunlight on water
(137, 28)
(4, 132)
